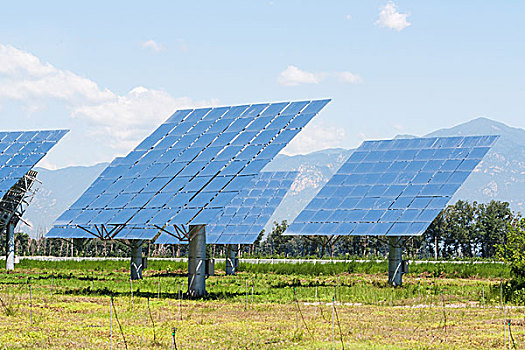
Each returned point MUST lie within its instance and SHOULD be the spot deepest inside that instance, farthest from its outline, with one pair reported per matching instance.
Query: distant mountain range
(500, 176)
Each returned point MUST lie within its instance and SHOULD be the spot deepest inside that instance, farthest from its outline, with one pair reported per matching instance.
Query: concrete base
(197, 262)
(10, 247)
(232, 261)
(136, 259)
(395, 261)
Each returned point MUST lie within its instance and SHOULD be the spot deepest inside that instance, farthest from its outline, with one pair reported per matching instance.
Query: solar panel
(67, 231)
(392, 187)
(241, 221)
(199, 158)
(20, 151)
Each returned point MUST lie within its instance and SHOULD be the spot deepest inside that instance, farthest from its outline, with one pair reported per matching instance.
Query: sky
(112, 72)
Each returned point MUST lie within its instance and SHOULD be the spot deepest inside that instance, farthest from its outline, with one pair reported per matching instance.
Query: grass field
(66, 305)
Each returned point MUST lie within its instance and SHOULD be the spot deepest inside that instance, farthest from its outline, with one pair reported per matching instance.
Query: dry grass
(368, 318)
(66, 322)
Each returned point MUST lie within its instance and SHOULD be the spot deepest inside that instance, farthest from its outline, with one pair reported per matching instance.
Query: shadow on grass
(88, 291)
(63, 276)
(325, 283)
(179, 273)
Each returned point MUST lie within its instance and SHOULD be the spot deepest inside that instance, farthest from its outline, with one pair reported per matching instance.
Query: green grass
(355, 282)
(70, 307)
(444, 269)
(95, 265)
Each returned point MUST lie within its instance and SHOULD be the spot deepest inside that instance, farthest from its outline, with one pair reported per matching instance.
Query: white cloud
(25, 77)
(293, 76)
(126, 118)
(348, 17)
(152, 45)
(348, 77)
(316, 136)
(121, 119)
(14, 61)
(398, 127)
(389, 17)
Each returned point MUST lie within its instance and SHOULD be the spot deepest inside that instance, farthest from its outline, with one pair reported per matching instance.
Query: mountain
(500, 176)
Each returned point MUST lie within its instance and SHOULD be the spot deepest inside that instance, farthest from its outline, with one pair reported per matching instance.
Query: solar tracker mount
(20, 151)
(393, 188)
(181, 177)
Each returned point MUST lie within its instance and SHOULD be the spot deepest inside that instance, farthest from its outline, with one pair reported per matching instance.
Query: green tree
(513, 250)
(492, 223)
(276, 241)
(21, 243)
(257, 243)
(459, 238)
(434, 235)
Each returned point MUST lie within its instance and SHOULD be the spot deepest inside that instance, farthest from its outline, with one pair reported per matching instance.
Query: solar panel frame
(197, 146)
(392, 187)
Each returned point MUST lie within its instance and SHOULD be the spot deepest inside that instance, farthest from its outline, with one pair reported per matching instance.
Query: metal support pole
(136, 259)
(10, 247)
(197, 262)
(231, 259)
(436, 245)
(395, 260)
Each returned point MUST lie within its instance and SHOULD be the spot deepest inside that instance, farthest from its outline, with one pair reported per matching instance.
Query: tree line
(463, 230)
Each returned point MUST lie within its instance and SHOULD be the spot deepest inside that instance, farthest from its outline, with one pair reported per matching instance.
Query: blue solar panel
(245, 216)
(70, 232)
(189, 152)
(20, 151)
(392, 187)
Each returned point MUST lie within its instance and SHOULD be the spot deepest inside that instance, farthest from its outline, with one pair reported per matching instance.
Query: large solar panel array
(245, 217)
(392, 187)
(187, 170)
(20, 151)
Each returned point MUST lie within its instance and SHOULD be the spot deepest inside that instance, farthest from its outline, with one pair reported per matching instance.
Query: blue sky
(113, 71)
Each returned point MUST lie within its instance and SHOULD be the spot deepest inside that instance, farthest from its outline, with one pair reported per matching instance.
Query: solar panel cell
(83, 201)
(122, 216)
(103, 216)
(159, 200)
(275, 108)
(427, 215)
